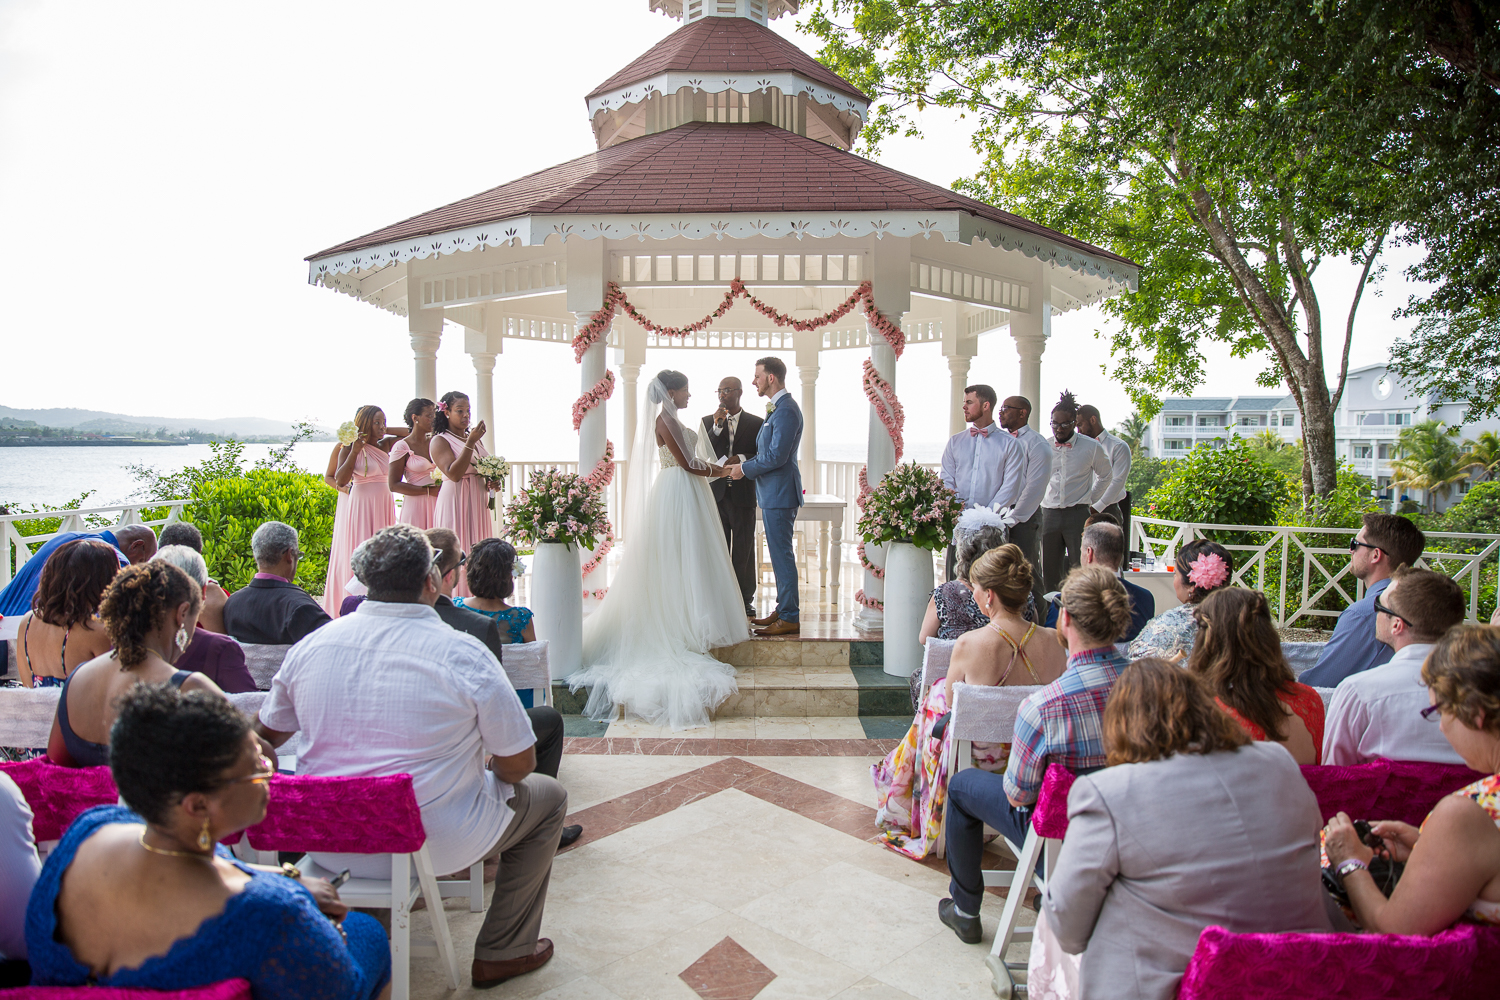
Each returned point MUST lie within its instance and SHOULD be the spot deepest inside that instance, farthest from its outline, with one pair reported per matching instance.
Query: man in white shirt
(391, 689)
(982, 464)
(1116, 499)
(1378, 712)
(1080, 475)
(1031, 484)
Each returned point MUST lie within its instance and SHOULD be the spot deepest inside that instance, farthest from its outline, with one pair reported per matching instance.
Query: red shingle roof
(726, 45)
(733, 168)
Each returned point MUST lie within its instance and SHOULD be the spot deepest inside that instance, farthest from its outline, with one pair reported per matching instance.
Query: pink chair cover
(1413, 788)
(229, 989)
(1050, 818)
(1462, 962)
(57, 795)
(341, 815)
(1353, 789)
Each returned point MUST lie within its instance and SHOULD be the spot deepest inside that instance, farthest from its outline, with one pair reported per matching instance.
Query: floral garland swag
(880, 393)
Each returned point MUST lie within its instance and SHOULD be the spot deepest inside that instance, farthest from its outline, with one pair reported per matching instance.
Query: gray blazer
(1156, 852)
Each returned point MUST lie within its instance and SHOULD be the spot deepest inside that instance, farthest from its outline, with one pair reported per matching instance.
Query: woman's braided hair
(138, 599)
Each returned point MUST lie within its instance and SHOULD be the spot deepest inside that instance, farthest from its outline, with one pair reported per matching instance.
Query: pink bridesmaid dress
(368, 509)
(415, 510)
(463, 507)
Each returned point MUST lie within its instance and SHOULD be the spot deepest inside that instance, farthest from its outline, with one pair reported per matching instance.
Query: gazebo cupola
(725, 65)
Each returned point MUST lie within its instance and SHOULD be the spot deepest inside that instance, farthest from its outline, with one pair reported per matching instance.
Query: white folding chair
(26, 716)
(263, 660)
(526, 665)
(1302, 655)
(936, 656)
(1327, 695)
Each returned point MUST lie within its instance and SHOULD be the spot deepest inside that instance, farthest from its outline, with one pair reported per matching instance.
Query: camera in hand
(1383, 870)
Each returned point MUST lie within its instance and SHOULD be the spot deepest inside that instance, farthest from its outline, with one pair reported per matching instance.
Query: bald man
(135, 544)
(729, 430)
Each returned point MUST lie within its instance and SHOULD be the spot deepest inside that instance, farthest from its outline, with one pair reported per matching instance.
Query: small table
(829, 510)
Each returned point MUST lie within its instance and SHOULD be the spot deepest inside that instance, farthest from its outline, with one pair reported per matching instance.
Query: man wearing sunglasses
(1379, 713)
(1385, 543)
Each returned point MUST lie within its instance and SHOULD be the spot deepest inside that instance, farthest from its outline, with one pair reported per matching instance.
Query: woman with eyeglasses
(1238, 655)
(150, 901)
(1453, 859)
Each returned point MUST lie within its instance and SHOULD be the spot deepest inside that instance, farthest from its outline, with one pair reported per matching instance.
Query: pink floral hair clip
(1208, 571)
(441, 406)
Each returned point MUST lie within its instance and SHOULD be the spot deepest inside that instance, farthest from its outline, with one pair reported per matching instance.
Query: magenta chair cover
(1352, 789)
(1460, 963)
(341, 815)
(229, 989)
(1413, 788)
(1050, 819)
(57, 795)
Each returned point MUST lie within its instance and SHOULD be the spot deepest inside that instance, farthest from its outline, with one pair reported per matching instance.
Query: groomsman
(731, 432)
(1080, 475)
(982, 463)
(1116, 499)
(1036, 471)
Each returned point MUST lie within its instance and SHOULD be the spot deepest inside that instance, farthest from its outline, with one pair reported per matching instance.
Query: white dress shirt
(1080, 473)
(391, 689)
(1119, 466)
(1036, 470)
(983, 466)
(1378, 713)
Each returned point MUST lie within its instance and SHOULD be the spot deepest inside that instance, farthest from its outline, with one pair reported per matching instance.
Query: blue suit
(15, 599)
(778, 491)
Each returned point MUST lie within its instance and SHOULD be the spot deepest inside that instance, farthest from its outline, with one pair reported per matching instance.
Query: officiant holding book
(730, 433)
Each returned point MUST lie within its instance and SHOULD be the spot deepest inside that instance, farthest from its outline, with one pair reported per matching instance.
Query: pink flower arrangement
(557, 506)
(1208, 571)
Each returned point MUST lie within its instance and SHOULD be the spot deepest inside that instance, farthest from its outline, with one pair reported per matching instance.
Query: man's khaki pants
(526, 848)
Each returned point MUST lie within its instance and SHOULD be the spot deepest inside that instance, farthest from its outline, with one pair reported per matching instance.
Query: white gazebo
(723, 154)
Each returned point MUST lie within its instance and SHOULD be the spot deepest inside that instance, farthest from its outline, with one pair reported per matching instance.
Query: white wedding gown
(675, 597)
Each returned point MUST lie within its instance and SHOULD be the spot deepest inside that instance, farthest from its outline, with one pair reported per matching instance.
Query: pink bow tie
(979, 432)
(1064, 444)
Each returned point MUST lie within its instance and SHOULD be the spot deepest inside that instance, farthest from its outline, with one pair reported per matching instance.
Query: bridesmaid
(369, 508)
(463, 503)
(411, 466)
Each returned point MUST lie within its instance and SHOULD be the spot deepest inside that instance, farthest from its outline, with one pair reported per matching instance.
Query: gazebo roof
(718, 45)
(739, 169)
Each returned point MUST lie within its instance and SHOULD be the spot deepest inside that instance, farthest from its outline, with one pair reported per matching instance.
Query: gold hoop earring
(204, 840)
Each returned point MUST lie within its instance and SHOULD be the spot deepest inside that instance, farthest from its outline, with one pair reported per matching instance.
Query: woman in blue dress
(492, 579)
(151, 904)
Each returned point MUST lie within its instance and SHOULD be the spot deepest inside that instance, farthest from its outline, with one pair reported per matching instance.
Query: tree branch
(1359, 290)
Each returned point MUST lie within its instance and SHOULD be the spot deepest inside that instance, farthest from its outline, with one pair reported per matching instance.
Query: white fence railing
(1324, 570)
(16, 546)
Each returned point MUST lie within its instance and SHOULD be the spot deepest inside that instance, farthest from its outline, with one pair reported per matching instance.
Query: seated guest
(1104, 545)
(19, 866)
(136, 896)
(272, 610)
(1201, 568)
(1377, 713)
(1190, 825)
(1453, 860)
(149, 612)
(212, 615)
(62, 629)
(1238, 657)
(390, 689)
(215, 656)
(1386, 542)
(546, 722)
(1060, 724)
(493, 562)
(911, 784)
(133, 544)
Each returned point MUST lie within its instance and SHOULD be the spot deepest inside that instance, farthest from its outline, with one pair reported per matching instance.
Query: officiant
(730, 431)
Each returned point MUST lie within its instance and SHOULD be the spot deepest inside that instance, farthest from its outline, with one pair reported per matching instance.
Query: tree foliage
(1428, 458)
(1227, 485)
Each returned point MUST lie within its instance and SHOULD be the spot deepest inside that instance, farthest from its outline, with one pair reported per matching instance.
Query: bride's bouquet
(910, 504)
(557, 507)
(494, 470)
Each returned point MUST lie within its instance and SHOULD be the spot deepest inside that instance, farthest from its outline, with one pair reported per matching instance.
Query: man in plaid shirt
(1063, 723)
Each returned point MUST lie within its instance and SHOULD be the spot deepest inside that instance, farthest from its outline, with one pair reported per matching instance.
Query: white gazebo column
(483, 348)
(809, 343)
(629, 357)
(591, 433)
(1031, 331)
(959, 348)
(424, 347)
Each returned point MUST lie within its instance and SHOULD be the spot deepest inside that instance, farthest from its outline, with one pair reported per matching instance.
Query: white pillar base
(557, 605)
(908, 582)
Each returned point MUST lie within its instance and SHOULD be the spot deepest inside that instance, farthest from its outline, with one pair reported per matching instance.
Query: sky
(165, 168)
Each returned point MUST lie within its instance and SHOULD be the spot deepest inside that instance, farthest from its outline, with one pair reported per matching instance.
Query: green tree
(1225, 485)
(1482, 455)
(1146, 473)
(1133, 431)
(1428, 459)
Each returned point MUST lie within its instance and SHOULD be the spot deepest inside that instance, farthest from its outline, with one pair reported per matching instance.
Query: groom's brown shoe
(779, 627)
(770, 619)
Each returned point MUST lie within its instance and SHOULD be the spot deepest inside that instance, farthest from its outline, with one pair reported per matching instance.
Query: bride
(675, 597)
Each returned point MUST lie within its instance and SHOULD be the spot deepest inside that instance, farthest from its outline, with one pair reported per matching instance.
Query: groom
(778, 489)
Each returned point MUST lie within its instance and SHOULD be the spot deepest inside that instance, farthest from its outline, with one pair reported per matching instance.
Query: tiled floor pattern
(731, 878)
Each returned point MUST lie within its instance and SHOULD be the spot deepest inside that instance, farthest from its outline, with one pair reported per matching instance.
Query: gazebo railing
(1305, 572)
(15, 548)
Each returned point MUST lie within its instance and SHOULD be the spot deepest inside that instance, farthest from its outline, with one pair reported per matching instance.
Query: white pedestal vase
(908, 585)
(557, 604)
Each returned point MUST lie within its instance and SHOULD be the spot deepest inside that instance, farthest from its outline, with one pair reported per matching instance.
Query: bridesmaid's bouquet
(558, 506)
(910, 504)
(494, 470)
(347, 433)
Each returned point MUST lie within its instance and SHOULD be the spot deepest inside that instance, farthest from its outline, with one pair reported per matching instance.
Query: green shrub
(1478, 511)
(228, 510)
(1146, 473)
(1225, 485)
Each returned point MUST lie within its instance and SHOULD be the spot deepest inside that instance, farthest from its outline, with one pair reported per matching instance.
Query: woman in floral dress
(911, 785)
(1202, 568)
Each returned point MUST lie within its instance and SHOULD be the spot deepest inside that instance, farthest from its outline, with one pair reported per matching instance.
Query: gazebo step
(794, 652)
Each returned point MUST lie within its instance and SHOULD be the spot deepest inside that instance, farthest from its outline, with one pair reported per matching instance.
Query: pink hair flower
(1208, 571)
(441, 406)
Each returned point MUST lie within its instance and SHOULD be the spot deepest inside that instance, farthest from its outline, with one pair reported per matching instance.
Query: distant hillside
(121, 423)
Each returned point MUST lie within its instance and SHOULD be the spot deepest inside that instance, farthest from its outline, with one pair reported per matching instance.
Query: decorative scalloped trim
(789, 82)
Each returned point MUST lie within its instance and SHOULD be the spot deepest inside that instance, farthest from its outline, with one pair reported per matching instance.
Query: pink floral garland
(882, 396)
(602, 390)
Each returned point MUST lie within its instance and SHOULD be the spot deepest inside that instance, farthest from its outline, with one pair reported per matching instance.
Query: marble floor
(730, 867)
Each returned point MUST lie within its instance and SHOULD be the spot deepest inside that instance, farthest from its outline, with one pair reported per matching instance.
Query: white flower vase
(557, 604)
(908, 585)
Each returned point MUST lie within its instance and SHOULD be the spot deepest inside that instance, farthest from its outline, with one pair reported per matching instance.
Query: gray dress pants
(526, 848)
(1028, 538)
(1062, 539)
